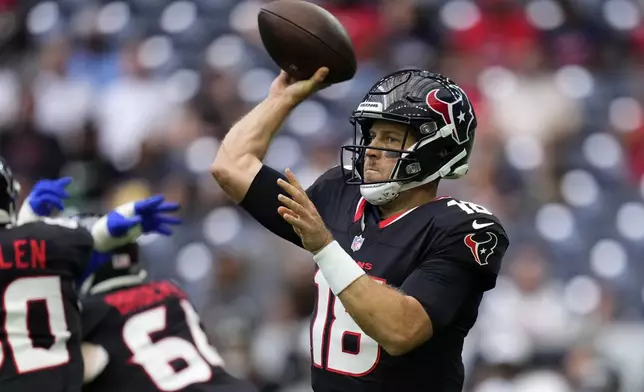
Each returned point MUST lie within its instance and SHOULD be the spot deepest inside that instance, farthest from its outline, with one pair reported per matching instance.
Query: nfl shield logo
(357, 243)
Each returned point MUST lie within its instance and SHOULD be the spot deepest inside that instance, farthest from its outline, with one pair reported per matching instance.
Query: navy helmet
(438, 114)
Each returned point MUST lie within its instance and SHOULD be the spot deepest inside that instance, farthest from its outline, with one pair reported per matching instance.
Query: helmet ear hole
(428, 128)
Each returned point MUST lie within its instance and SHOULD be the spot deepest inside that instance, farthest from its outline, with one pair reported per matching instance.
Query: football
(302, 37)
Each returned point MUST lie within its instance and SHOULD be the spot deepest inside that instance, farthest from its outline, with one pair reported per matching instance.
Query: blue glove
(48, 195)
(128, 221)
(118, 225)
(153, 220)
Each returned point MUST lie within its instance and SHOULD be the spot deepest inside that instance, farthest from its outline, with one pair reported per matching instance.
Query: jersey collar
(362, 205)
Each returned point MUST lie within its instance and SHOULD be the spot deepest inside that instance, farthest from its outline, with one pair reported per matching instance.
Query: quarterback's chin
(373, 176)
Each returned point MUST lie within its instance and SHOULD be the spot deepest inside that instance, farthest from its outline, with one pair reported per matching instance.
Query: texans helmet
(438, 114)
(8, 196)
(120, 266)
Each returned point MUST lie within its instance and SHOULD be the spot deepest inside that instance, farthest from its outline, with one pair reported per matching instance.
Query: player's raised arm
(127, 222)
(242, 151)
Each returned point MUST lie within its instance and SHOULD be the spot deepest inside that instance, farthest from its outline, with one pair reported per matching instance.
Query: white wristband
(339, 269)
(103, 240)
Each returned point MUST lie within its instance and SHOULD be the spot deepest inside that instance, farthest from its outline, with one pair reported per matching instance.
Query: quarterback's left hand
(299, 211)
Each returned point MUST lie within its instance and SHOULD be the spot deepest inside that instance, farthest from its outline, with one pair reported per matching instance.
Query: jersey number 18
(340, 324)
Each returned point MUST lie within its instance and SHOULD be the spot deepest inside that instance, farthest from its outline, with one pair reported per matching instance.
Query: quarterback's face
(384, 134)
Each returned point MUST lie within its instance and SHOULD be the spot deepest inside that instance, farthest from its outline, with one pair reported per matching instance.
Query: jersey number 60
(18, 297)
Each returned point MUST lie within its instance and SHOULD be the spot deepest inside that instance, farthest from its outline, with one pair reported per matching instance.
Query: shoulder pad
(332, 178)
(472, 234)
(60, 221)
(457, 212)
(335, 172)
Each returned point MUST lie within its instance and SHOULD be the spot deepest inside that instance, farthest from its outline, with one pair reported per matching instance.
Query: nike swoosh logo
(477, 225)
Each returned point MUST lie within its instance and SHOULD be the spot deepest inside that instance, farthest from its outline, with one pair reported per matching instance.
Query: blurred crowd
(132, 97)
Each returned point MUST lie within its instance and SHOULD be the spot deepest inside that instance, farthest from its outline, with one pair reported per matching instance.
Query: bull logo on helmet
(454, 110)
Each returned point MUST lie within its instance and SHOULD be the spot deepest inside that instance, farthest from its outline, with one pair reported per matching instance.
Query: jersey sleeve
(478, 243)
(463, 262)
(441, 287)
(261, 200)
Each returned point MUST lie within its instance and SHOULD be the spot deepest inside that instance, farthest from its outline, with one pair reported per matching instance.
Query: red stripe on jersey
(360, 209)
(385, 222)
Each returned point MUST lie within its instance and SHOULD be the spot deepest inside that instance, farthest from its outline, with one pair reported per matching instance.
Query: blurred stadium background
(131, 97)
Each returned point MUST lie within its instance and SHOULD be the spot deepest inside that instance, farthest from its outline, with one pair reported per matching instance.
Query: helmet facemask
(406, 158)
(411, 169)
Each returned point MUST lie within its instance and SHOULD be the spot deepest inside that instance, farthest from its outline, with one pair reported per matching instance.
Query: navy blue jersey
(39, 319)
(445, 253)
(154, 341)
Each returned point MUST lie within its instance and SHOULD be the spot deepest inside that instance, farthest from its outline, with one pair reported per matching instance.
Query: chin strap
(381, 193)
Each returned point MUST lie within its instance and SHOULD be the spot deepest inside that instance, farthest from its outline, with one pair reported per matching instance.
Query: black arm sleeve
(441, 287)
(261, 203)
(261, 199)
